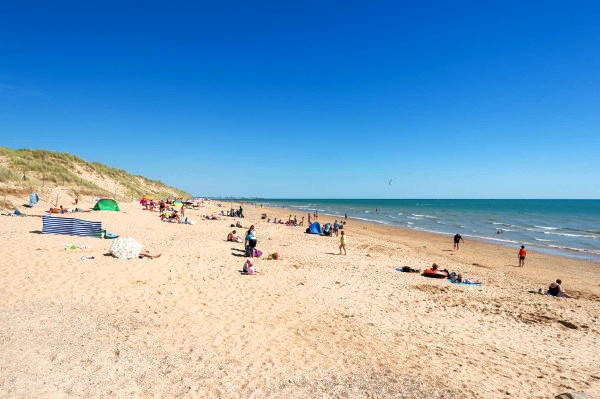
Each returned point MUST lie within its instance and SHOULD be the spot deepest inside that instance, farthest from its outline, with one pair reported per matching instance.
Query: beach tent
(106, 204)
(315, 228)
(33, 199)
(71, 226)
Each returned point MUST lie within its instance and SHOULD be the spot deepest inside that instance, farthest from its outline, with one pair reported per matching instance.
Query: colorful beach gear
(315, 228)
(435, 273)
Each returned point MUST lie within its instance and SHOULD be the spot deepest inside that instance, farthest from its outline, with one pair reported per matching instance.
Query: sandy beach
(312, 324)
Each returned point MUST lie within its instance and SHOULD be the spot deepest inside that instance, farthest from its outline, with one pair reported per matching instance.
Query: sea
(560, 227)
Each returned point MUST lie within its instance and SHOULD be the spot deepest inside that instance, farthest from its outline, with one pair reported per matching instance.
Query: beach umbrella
(149, 197)
(125, 248)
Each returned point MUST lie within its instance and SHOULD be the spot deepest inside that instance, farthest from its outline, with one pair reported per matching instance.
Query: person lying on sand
(460, 280)
(408, 269)
(555, 289)
(146, 254)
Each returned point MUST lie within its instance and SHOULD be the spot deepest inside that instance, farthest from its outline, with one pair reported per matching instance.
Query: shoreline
(476, 253)
(566, 253)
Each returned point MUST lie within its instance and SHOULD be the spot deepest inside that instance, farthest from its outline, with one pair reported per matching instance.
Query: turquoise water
(565, 227)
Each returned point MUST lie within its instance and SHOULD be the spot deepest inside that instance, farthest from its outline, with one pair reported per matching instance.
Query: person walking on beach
(343, 243)
(457, 239)
(522, 255)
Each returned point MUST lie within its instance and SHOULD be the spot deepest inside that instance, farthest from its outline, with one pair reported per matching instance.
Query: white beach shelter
(125, 248)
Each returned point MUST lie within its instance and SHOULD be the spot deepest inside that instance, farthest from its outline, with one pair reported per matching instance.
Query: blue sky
(464, 99)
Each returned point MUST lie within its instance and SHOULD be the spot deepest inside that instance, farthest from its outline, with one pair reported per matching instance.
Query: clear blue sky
(454, 99)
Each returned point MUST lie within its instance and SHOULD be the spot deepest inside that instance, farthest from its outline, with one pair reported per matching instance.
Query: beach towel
(464, 283)
(71, 226)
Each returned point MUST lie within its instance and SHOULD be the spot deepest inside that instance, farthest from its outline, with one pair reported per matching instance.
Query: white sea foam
(570, 235)
(546, 227)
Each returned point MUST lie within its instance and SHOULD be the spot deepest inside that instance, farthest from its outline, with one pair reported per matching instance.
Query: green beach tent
(106, 204)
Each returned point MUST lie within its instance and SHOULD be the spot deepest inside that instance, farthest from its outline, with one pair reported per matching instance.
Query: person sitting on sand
(249, 267)
(555, 289)
(436, 268)
(238, 224)
(232, 237)
(174, 217)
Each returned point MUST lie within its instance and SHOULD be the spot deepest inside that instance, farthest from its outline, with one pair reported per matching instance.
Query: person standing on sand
(457, 239)
(522, 255)
(343, 242)
(336, 228)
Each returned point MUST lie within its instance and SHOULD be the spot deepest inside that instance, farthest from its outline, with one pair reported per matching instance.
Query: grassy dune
(25, 170)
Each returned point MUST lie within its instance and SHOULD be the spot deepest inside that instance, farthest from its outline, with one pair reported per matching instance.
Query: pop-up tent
(106, 204)
(315, 228)
(71, 226)
(33, 199)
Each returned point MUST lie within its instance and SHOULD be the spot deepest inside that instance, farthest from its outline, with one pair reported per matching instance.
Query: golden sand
(313, 324)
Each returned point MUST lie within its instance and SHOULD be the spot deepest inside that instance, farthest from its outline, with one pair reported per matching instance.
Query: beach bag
(274, 256)
(257, 253)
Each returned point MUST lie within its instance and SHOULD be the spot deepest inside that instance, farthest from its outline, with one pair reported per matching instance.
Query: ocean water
(564, 227)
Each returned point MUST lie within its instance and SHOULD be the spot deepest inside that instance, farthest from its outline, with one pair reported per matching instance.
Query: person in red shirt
(522, 255)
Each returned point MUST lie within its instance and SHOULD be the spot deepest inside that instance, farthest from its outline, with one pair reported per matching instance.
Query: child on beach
(343, 242)
(522, 255)
(249, 268)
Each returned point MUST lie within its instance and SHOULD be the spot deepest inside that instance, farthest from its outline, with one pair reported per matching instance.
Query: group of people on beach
(170, 211)
(554, 289)
(336, 228)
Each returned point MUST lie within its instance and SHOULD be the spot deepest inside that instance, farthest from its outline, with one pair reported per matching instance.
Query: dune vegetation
(23, 171)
